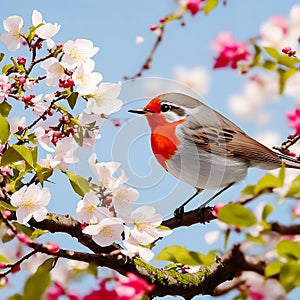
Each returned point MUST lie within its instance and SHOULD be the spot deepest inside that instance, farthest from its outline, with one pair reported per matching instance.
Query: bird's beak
(140, 111)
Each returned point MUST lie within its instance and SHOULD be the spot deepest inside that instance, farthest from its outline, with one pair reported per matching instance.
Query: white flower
(90, 125)
(123, 200)
(5, 87)
(39, 107)
(49, 162)
(66, 151)
(15, 123)
(104, 172)
(88, 210)
(44, 30)
(105, 99)
(106, 231)
(54, 71)
(256, 92)
(43, 138)
(139, 39)
(146, 223)
(79, 53)
(85, 80)
(267, 289)
(31, 202)
(134, 247)
(196, 78)
(12, 38)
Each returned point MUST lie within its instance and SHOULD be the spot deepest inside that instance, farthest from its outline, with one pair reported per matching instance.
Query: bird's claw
(178, 213)
(201, 213)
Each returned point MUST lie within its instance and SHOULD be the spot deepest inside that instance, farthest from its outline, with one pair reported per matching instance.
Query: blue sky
(113, 26)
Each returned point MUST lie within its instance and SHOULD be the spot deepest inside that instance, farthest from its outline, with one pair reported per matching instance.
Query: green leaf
(15, 297)
(72, 98)
(37, 283)
(289, 250)
(1, 56)
(23, 228)
(93, 270)
(210, 5)
(272, 52)
(289, 276)
(284, 76)
(19, 152)
(269, 65)
(5, 130)
(288, 61)
(294, 190)
(79, 184)
(273, 268)
(248, 190)
(6, 68)
(267, 181)
(5, 109)
(226, 238)
(257, 56)
(266, 211)
(255, 239)
(4, 205)
(7, 238)
(179, 254)
(236, 215)
(43, 173)
(38, 232)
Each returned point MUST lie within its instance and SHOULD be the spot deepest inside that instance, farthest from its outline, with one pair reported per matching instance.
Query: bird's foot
(178, 213)
(201, 210)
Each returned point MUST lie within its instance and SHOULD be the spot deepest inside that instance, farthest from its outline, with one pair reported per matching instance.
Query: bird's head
(168, 108)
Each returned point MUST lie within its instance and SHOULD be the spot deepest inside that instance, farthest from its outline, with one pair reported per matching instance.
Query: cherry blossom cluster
(230, 52)
(107, 212)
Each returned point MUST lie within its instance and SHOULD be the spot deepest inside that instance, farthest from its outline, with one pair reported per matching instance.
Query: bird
(203, 148)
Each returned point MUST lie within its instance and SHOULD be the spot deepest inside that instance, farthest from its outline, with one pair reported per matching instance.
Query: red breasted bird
(201, 147)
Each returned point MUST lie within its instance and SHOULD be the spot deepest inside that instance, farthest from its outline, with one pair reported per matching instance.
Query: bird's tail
(289, 161)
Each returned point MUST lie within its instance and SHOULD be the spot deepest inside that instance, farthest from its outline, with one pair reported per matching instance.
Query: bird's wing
(216, 134)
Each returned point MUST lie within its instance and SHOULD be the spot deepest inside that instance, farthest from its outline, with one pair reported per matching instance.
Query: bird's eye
(165, 108)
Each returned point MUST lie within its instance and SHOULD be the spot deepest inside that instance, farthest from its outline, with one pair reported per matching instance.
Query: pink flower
(194, 6)
(5, 87)
(102, 293)
(280, 22)
(55, 292)
(58, 290)
(230, 51)
(294, 119)
(131, 287)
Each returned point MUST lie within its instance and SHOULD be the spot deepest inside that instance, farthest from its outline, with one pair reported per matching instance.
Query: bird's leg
(203, 205)
(179, 211)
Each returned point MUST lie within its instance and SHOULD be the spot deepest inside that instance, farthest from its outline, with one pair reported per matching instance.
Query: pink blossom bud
(7, 213)
(21, 60)
(53, 248)
(153, 27)
(3, 265)
(286, 50)
(57, 134)
(22, 80)
(216, 209)
(117, 123)
(16, 269)
(24, 239)
(83, 225)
